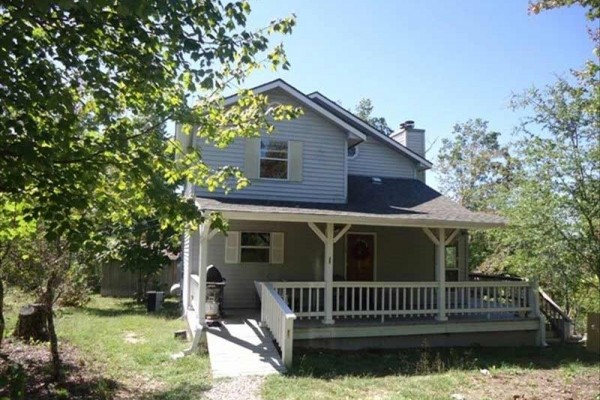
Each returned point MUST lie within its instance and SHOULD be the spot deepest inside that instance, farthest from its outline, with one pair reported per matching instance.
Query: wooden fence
(117, 282)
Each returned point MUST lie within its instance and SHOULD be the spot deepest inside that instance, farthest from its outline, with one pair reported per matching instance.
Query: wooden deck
(240, 347)
(374, 327)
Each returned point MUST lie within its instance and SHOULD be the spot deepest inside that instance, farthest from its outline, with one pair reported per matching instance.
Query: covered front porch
(390, 269)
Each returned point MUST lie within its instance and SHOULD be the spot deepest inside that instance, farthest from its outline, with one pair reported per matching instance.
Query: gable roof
(305, 100)
(393, 202)
(368, 128)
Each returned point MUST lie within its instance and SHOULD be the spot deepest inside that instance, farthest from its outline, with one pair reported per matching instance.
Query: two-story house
(341, 243)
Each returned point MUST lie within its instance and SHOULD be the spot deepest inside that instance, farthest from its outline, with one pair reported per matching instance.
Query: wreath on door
(361, 250)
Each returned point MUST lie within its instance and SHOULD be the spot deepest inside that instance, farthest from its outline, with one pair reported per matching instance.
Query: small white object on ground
(458, 396)
(484, 371)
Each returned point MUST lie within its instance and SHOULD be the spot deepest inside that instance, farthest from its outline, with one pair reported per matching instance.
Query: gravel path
(240, 388)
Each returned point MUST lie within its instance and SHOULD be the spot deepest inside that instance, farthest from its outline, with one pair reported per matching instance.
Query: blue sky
(436, 62)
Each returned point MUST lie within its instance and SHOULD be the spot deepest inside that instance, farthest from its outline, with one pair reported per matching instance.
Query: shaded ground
(26, 367)
(560, 372)
(111, 349)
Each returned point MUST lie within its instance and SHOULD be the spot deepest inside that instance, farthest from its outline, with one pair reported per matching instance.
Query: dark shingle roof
(394, 200)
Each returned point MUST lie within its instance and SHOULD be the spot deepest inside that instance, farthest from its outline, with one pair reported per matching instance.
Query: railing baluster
(418, 301)
(309, 302)
(318, 308)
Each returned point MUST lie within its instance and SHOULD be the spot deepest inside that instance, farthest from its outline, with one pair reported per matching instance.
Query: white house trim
(354, 220)
(305, 100)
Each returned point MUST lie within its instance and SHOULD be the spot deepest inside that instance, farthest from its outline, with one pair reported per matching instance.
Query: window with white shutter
(254, 247)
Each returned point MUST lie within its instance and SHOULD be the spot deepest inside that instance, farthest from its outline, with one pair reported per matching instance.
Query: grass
(130, 348)
(562, 372)
(130, 351)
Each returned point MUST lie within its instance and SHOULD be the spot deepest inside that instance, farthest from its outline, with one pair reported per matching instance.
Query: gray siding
(303, 261)
(403, 254)
(377, 159)
(416, 142)
(324, 152)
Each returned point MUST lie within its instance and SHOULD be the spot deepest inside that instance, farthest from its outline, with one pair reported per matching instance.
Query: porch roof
(393, 202)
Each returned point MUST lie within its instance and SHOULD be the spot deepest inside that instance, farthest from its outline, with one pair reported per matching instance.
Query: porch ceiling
(393, 202)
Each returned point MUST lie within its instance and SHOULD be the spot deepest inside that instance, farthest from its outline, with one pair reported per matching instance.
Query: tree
(472, 163)
(473, 166)
(556, 209)
(592, 6)
(364, 110)
(87, 88)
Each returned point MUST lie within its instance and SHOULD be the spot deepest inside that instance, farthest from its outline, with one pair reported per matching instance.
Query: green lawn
(130, 348)
(128, 352)
(562, 372)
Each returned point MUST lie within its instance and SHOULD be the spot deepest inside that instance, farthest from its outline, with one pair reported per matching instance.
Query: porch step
(240, 347)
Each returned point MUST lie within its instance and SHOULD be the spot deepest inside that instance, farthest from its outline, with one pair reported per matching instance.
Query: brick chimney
(410, 137)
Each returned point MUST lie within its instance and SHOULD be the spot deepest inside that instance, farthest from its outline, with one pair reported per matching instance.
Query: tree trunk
(48, 297)
(32, 323)
(2, 322)
(53, 346)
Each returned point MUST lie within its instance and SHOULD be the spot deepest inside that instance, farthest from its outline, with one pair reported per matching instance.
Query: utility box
(154, 300)
(593, 332)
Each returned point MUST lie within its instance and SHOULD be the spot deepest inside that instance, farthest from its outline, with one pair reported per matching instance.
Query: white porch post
(186, 273)
(328, 274)
(202, 265)
(441, 274)
(328, 239)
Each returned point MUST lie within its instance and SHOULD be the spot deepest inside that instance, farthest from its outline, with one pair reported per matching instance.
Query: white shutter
(295, 160)
(232, 247)
(251, 162)
(277, 244)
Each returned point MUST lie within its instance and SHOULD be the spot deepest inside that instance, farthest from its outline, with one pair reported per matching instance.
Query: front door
(360, 257)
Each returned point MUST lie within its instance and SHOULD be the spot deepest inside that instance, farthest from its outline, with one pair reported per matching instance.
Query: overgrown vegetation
(115, 349)
(86, 164)
(426, 373)
(547, 182)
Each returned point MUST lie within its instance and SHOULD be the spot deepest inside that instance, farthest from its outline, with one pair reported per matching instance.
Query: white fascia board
(355, 220)
(301, 97)
(374, 131)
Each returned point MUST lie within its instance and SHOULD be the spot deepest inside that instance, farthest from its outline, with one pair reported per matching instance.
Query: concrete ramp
(239, 347)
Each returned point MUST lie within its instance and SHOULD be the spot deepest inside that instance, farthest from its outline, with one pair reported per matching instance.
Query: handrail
(559, 321)
(279, 319)
(408, 299)
(556, 307)
(476, 276)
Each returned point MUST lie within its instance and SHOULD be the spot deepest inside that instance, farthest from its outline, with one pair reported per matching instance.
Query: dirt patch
(240, 388)
(25, 370)
(133, 338)
(534, 385)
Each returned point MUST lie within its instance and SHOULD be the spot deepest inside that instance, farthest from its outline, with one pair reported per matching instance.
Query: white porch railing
(488, 297)
(279, 318)
(194, 284)
(408, 299)
(305, 299)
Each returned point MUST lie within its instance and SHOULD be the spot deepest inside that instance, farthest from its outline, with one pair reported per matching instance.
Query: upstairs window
(273, 159)
(352, 152)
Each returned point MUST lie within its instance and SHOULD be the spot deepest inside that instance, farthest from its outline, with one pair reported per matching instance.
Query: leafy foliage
(87, 90)
(364, 110)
